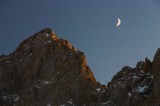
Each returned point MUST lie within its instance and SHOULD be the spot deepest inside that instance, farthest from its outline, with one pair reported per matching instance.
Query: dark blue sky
(89, 25)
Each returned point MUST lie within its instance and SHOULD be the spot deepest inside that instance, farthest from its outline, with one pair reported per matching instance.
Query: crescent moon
(118, 22)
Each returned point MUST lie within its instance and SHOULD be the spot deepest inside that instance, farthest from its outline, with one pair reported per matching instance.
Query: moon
(118, 22)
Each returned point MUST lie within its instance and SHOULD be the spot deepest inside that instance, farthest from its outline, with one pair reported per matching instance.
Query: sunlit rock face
(46, 70)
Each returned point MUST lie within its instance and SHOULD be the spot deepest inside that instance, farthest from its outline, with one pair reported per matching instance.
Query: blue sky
(89, 25)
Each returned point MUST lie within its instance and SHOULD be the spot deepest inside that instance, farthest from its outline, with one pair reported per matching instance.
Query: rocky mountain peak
(46, 70)
(137, 86)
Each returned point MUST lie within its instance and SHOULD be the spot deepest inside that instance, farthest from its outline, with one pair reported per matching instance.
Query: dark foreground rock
(45, 70)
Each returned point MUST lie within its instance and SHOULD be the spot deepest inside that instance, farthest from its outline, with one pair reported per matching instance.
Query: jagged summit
(46, 70)
(42, 38)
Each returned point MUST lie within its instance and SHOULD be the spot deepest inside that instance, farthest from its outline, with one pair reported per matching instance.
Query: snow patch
(142, 71)
(98, 89)
(36, 86)
(30, 54)
(129, 94)
(4, 97)
(47, 34)
(141, 89)
(135, 77)
(16, 99)
(106, 103)
(46, 82)
(70, 101)
(10, 97)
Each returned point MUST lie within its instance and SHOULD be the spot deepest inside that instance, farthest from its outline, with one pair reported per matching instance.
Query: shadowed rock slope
(45, 70)
(139, 86)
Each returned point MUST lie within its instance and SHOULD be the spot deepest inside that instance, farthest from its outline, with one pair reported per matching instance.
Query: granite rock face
(45, 70)
(139, 86)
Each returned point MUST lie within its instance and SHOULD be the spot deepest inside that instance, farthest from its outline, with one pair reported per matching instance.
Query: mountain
(45, 70)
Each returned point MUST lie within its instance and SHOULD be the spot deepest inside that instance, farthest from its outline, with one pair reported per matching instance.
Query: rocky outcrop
(45, 70)
(137, 86)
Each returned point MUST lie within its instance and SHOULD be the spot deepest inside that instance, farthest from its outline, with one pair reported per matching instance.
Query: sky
(89, 25)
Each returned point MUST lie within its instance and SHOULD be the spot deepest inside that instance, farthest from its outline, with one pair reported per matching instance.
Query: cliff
(45, 70)
(139, 86)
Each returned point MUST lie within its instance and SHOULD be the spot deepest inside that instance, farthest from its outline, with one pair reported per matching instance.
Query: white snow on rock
(46, 82)
(36, 86)
(70, 101)
(4, 97)
(141, 88)
(30, 54)
(129, 94)
(47, 34)
(151, 76)
(11, 97)
(47, 42)
(106, 103)
(16, 99)
(135, 77)
(98, 89)
(122, 78)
